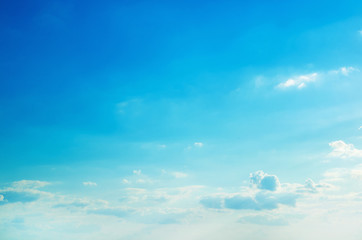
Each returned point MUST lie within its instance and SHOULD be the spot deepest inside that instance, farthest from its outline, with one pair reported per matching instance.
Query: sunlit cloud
(340, 149)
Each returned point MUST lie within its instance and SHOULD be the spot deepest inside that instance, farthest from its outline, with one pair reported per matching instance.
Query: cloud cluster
(267, 195)
(264, 181)
(343, 150)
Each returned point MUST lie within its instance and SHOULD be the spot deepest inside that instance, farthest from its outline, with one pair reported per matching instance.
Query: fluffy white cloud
(298, 81)
(264, 181)
(198, 144)
(137, 172)
(344, 150)
(90, 184)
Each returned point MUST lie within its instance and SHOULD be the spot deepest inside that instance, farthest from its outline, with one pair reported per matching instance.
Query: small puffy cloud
(299, 82)
(360, 128)
(137, 172)
(1, 198)
(90, 184)
(198, 144)
(344, 150)
(311, 187)
(264, 181)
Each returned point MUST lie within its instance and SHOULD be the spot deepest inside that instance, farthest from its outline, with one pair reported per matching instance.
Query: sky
(177, 120)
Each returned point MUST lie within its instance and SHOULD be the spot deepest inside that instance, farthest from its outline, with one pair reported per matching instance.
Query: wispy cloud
(302, 81)
(198, 144)
(90, 184)
(299, 82)
(344, 71)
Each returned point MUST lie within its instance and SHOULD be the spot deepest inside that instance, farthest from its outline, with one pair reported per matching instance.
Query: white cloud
(264, 181)
(344, 71)
(344, 150)
(298, 81)
(1, 198)
(198, 144)
(302, 81)
(137, 172)
(360, 128)
(90, 184)
(23, 184)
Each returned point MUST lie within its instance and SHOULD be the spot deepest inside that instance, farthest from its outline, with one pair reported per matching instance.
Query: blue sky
(180, 120)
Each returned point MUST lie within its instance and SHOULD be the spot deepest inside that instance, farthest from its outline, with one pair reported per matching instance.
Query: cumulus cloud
(137, 172)
(198, 144)
(299, 82)
(264, 181)
(311, 187)
(90, 184)
(343, 150)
